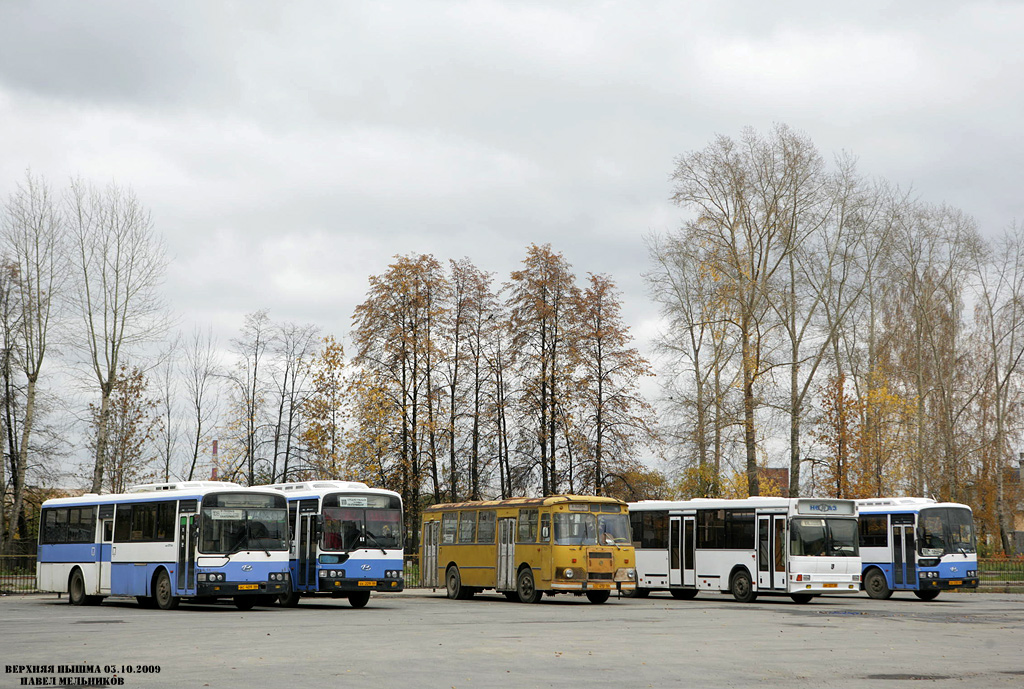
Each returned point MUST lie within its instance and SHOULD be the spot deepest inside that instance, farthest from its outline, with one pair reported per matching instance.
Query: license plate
(956, 583)
(831, 586)
(600, 586)
(248, 587)
(367, 583)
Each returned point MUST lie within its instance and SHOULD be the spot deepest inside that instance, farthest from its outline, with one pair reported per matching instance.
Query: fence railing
(17, 574)
(1002, 575)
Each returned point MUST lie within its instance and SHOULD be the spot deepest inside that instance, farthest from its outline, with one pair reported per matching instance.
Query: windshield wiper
(374, 539)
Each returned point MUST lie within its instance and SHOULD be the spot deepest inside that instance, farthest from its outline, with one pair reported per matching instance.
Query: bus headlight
(625, 574)
(570, 573)
(323, 573)
(567, 573)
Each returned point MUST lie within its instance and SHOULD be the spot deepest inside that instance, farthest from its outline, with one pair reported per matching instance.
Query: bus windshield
(946, 530)
(231, 523)
(824, 537)
(585, 528)
(348, 528)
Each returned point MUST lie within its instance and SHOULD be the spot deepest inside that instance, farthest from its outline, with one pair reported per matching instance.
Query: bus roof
(752, 502)
(524, 502)
(149, 491)
(301, 489)
(903, 504)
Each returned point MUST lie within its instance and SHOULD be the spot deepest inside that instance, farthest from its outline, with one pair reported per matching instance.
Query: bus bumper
(338, 585)
(241, 588)
(947, 584)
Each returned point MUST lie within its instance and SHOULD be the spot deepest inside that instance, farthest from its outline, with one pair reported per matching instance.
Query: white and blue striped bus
(198, 540)
(346, 540)
(918, 545)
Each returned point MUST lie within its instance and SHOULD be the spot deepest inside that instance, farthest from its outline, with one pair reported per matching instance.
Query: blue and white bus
(918, 545)
(798, 547)
(197, 540)
(346, 540)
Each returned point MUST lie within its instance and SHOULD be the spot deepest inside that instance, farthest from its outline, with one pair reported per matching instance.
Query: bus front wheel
(245, 602)
(526, 588)
(288, 600)
(741, 587)
(876, 586)
(162, 592)
(76, 588)
(930, 594)
(598, 596)
(359, 599)
(453, 585)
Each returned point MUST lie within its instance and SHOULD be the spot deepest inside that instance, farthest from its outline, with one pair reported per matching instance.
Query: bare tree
(250, 390)
(200, 373)
(294, 346)
(120, 262)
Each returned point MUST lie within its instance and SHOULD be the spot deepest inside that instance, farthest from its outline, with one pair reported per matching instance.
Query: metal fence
(998, 575)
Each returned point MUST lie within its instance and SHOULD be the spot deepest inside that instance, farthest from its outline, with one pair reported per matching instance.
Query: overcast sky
(289, 150)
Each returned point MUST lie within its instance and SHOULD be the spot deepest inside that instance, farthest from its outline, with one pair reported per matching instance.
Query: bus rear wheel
(598, 596)
(741, 587)
(930, 594)
(876, 586)
(526, 588)
(684, 594)
(162, 592)
(359, 599)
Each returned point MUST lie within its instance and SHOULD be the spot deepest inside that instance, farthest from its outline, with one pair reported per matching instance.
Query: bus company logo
(366, 568)
(246, 568)
(954, 570)
(824, 508)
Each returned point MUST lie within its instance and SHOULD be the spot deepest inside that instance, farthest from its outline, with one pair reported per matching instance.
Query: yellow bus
(526, 547)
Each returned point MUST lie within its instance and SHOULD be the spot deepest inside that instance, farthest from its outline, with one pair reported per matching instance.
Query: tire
(359, 599)
(288, 600)
(801, 597)
(598, 596)
(453, 584)
(245, 602)
(526, 588)
(76, 588)
(147, 602)
(741, 587)
(684, 594)
(876, 586)
(929, 594)
(511, 595)
(163, 594)
(637, 593)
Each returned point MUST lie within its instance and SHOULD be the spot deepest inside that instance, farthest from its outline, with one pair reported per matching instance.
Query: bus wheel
(636, 593)
(453, 585)
(288, 600)
(359, 599)
(76, 588)
(598, 596)
(245, 602)
(162, 592)
(526, 588)
(684, 594)
(876, 586)
(930, 594)
(145, 601)
(741, 588)
(512, 596)
(801, 597)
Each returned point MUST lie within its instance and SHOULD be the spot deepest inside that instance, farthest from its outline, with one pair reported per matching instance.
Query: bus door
(904, 558)
(185, 579)
(771, 552)
(428, 568)
(506, 554)
(106, 543)
(305, 545)
(681, 545)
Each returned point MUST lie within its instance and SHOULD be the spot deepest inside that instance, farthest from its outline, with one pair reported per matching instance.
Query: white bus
(800, 547)
(346, 540)
(918, 545)
(162, 543)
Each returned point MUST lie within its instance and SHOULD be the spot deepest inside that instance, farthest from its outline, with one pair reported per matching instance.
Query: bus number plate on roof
(223, 514)
(577, 507)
